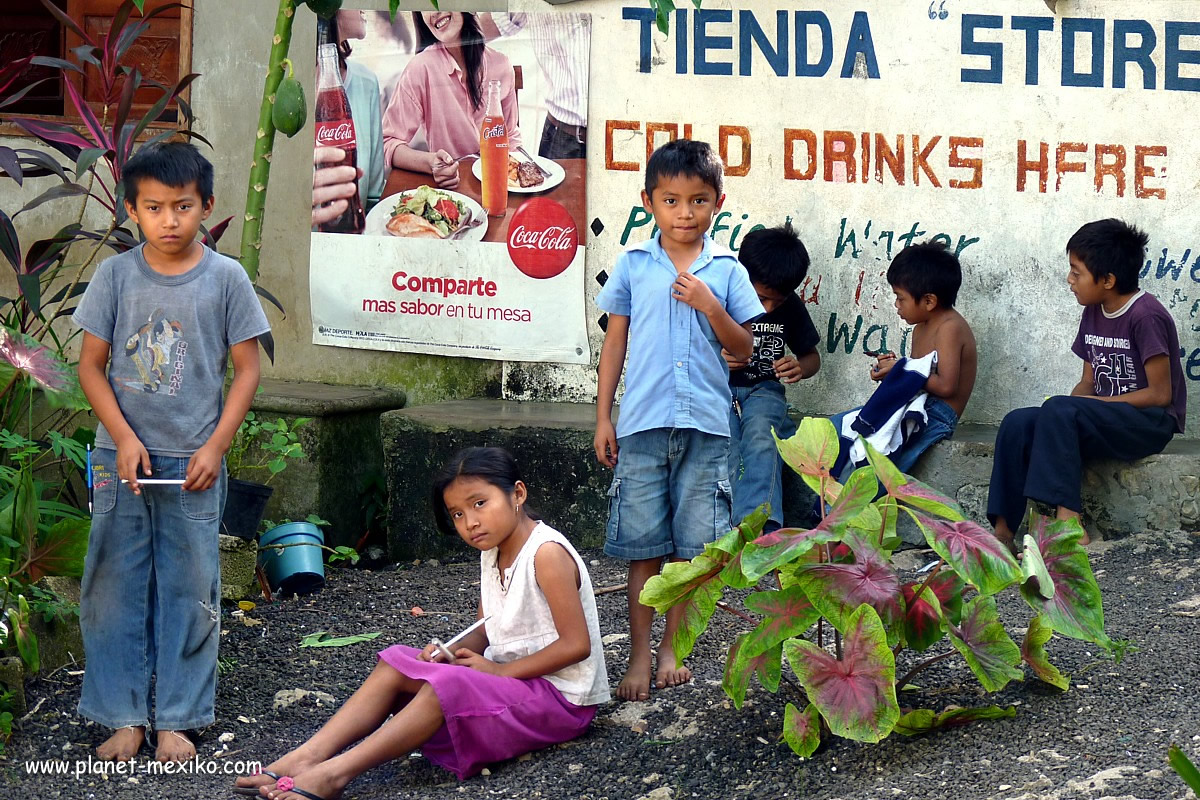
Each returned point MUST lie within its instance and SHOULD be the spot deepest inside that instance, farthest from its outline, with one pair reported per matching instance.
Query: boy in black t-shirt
(777, 262)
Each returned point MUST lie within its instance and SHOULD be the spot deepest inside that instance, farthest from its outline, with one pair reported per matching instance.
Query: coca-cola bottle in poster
(335, 128)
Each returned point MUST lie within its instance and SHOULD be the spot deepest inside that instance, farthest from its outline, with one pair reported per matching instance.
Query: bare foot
(122, 745)
(668, 674)
(636, 683)
(174, 746)
(320, 781)
(293, 763)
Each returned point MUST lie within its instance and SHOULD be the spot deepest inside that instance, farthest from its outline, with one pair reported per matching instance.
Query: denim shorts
(670, 494)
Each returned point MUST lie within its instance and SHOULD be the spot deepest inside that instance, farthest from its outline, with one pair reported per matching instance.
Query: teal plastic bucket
(293, 570)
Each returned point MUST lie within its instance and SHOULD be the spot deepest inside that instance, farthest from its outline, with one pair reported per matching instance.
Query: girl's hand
(469, 658)
(444, 170)
(427, 653)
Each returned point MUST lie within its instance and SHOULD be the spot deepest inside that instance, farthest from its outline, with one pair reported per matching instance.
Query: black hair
(775, 257)
(927, 268)
(329, 32)
(174, 164)
(493, 465)
(471, 42)
(1111, 247)
(688, 158)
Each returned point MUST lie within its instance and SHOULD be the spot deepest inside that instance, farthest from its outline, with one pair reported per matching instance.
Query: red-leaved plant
(842, 616)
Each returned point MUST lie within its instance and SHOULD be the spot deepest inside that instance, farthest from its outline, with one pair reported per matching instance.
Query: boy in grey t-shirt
(160, 322)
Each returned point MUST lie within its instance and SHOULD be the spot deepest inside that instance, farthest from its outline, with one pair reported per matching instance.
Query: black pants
(557, 143)
(1040, 451)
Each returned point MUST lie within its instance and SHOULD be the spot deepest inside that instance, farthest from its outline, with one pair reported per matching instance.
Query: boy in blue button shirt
(673, 303)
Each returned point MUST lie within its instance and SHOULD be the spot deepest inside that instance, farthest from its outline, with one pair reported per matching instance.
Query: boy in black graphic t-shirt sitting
(777, 262)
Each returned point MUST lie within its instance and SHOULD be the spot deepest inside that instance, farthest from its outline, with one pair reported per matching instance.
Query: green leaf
(61, 550)
(837, 590)
(811, 451)
(986, 646)
(676, 581)
(923, 720)
(802, 729)
(1184, 767)
(1075, 608)
(324, 639)
(785, 545)
(786, 613)
(974, 553)
(739, 667)
(26, 639)
(856, 694)
(1033, 571)
(276, 465)
(1034, 653)
(698, 607)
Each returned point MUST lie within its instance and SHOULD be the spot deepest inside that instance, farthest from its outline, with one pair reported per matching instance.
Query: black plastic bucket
(245, 502)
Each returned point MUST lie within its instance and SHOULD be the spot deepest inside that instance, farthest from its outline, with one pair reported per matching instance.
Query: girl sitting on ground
(531, 677)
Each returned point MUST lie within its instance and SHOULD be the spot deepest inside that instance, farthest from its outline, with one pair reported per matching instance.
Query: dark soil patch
(1106, 737)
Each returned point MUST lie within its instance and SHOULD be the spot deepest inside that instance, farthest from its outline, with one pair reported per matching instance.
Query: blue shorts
(670, 494)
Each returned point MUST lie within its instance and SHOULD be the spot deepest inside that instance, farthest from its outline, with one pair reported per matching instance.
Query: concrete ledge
(553, 444)
(238, 559)
(343, 449)
(1120, 498)
(551, 441)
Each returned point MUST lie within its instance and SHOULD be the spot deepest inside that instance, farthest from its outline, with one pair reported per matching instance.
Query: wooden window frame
(186, 18)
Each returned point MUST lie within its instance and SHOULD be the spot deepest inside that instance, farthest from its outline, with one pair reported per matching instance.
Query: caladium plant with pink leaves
(839, 614)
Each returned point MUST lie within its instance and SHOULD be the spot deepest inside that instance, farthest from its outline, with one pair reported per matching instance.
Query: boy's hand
(203, 468)
(883, 365)
(733, 362)
(695, 293)
(131, 454)
(788, 369)
(606, 444)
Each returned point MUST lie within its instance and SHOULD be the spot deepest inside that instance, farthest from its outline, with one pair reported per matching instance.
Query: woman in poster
(441, 93)
(333, 184)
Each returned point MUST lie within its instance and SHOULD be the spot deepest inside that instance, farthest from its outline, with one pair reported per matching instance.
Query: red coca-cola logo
(494, 132)
(335, 134)
(542, 238)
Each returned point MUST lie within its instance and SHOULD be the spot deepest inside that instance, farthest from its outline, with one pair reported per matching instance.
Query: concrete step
(553, 444)
(344, 458)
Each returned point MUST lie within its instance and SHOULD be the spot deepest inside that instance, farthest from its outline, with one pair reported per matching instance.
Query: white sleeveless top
(521, 622)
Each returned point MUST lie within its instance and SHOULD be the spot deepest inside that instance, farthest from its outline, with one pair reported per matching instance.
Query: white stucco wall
(1014, 291)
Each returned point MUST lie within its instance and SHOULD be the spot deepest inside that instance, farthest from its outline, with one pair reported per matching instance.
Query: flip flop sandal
(253, 790)
(286, 784)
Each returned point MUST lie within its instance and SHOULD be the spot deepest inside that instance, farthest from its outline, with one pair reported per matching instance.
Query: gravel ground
(1105, 738)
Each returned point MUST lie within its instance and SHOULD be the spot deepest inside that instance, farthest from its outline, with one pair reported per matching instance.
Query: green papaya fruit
(325, 8)
(290, 109)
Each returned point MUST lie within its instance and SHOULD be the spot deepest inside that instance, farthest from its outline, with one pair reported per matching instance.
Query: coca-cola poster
(449, 210)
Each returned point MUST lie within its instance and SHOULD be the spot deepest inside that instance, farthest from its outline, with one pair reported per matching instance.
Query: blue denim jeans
(669, 496)
(941, 424)
(150, 605)
(755, 468)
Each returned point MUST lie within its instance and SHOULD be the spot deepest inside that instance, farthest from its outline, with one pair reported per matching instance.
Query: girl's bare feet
(320, 781)
(636, 683)
(174, 746)
(668, 674)
(122, 745)
(293, 763)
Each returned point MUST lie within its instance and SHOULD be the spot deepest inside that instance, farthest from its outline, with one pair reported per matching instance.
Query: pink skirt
(489, 718)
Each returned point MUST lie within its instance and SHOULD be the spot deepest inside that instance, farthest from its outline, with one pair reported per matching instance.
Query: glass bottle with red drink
(493, 153)
(335, 128)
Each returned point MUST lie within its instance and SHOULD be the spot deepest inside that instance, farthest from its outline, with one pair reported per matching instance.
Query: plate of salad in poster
(428, 213)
